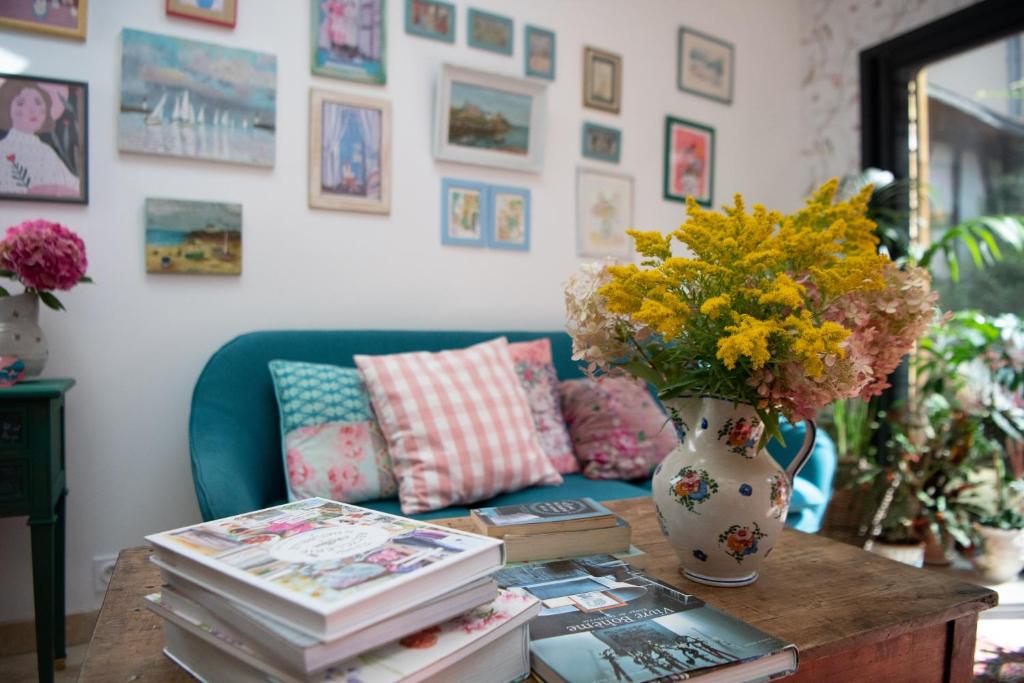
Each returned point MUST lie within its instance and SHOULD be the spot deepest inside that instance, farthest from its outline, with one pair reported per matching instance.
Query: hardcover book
(566, 544)
(442, 652)
(574, 514)
(326, 569)
(602, 621)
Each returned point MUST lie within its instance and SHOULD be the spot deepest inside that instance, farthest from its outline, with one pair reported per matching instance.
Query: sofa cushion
(332, 445)
(457, 425)
(533, 365)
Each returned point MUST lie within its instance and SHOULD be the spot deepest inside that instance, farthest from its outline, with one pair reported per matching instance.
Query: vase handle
(810, 433)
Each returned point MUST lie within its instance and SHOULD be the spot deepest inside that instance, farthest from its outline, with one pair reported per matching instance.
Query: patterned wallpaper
(833, 32)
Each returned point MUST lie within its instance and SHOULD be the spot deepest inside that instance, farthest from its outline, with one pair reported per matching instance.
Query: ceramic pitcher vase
(20, 334)
(720, 501)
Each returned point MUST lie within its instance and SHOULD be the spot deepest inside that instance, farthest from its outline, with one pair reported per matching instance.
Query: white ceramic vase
(720, 501)
(20, 334)
(1002, 556)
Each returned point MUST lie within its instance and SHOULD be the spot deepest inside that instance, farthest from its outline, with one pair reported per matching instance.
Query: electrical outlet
(102, 570)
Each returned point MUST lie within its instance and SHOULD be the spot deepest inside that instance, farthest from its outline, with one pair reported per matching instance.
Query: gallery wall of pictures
(266, 164)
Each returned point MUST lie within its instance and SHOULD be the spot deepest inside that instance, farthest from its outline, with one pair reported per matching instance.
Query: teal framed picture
(464, 212)
(348, 40)
(430, 19)
(539, 52)
(601, 142)
(705, 65)
(508, 224)
(492, 32)
(689, 161)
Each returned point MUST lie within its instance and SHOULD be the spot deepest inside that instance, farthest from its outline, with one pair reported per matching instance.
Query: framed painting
(539, 49)
(604, 211)
(601, 142)
(508, 226)
(66, 18)
(44, 139)
(198, 238)
(349, 39)
(705, 65)
(349, 152)
(489, 119)
(464, 212)
(602, 80)
(491, 32)
(185, 98)
(430, 19)
(689, 161)
(222, 12)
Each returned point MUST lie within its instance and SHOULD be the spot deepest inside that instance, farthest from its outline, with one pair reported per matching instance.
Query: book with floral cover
(324, 568)
(603, 621)
(441, 652)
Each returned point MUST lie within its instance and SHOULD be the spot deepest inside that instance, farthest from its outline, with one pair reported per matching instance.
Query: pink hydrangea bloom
(44, 256)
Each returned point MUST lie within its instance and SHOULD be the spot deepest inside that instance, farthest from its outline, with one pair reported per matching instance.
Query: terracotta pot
(938, 550)
(721, 502)
(907, 553)
(1002, 553)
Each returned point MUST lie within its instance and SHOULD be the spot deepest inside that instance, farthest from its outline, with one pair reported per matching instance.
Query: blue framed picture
(539, 48)
(601, 142)
(508, 225)
(464, 212)
(430, 19)
(349, 40)
(491, 32)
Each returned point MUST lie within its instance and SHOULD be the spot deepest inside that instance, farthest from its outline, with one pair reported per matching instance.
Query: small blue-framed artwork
(601, 142)
(540, 52)
(464, 212)
(488, 31)
(430, 19)
(508, 225)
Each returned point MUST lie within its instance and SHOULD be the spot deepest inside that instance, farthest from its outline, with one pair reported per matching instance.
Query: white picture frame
(516, 144)
(600, 235)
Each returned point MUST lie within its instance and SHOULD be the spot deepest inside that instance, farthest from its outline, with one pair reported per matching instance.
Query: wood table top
(823, 596)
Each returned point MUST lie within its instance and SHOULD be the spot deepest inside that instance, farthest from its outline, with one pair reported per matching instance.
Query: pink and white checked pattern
(457, 423)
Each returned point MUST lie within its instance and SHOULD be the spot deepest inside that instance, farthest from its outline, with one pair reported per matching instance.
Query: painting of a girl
(42, 148)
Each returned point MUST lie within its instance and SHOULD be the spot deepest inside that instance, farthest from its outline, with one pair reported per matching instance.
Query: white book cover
(434, 648)
(323, 556)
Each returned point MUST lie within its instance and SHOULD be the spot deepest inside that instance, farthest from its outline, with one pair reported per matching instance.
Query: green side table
(32, 482)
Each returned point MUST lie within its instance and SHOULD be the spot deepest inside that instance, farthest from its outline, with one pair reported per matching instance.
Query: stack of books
(554, 529)
(325, 591)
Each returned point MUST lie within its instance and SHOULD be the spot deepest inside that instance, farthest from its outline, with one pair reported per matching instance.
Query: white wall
(136, 342)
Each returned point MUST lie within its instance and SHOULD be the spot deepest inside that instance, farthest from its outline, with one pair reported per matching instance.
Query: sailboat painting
(200, 238)
(190, 99)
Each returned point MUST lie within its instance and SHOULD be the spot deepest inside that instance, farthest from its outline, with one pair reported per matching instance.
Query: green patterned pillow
(331, 442)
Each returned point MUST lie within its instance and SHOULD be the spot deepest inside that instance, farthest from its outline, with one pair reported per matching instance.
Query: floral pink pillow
(536, 371)
(617, 429)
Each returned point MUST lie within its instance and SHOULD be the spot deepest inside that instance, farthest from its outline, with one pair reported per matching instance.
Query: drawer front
(13, 428)
(13, 483)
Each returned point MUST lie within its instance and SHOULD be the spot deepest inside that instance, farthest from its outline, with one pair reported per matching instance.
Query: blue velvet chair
(235, 444)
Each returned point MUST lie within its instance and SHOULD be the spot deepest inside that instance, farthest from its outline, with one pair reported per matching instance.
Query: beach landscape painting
(190, 99)
(189, 237)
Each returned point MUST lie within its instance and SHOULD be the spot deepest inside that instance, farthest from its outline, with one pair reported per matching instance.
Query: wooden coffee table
(855, 616)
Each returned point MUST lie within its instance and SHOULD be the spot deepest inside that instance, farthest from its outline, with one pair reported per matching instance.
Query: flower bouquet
(43, 256)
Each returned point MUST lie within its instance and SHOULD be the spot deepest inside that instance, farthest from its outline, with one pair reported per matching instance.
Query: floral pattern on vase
(779, 495)
(692, 486)
(741, 540)
(741, 435)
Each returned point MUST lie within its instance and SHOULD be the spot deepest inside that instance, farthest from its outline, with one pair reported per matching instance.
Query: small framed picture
(602, 80)
(705, 65)
(489, 119)
(349, 39)
(539, 49)
(689, 161)
(199, 238)
(66, 18)
(44, 151)
(509, 224)
(430, 19)
(349, 152)
(601, 142)
(604, 211)
(490, 31)
(223, 12)
(464, 211)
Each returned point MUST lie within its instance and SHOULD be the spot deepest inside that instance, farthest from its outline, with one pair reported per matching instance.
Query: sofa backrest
(234, 428)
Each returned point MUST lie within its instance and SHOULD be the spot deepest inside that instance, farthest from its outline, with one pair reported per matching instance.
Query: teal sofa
(235, 444)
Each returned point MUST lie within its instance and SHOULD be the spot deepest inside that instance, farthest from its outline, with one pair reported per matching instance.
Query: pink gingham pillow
(536, 371)
(457, 425)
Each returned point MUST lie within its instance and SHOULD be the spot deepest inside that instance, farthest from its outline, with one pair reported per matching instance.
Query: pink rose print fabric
(536, 372)
(617, 429)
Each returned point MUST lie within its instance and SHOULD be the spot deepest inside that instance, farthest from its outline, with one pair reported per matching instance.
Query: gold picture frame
(357, 173)
(226, 16)
(602, 80)
(80, 10)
